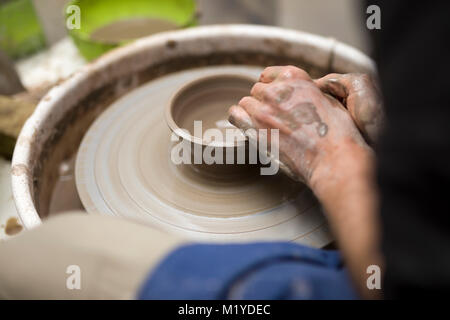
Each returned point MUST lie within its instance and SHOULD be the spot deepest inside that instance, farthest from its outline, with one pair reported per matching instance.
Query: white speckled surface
(51, 65)
(48, 66)
(7, 207)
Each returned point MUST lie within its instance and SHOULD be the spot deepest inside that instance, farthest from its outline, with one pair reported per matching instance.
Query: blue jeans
(259, 271)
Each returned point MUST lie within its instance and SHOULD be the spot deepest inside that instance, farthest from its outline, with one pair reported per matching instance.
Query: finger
(271, 74)
(259, 91)
(361, 98)
(268, 121)
(240, 118)
(293, 73)
(253, 106)
(334, 84)
(262, 115)
(274, 94)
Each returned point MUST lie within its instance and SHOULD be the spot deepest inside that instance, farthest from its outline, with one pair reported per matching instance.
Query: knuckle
(292, 68)
(267, 70)
(257, 88)
(245, 101)
(233, 110)
(269, 74)
(292, 72)
(333, 77)
(366, 78)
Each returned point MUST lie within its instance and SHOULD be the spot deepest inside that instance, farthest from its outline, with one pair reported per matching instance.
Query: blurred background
(37, 50)
(335, 18)
(41, 25)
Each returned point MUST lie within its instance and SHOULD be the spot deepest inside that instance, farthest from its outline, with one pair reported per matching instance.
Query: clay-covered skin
(321, 144)
(312, 125)
(361, 96)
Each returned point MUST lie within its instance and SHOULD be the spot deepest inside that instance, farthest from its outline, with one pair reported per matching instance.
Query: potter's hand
(319, 142)
(360, 94)
(314, 128)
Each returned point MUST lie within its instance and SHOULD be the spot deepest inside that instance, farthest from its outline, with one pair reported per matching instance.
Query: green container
(20, 31)
(95, 14)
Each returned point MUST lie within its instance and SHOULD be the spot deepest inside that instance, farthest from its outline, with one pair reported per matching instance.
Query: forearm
(345, 185)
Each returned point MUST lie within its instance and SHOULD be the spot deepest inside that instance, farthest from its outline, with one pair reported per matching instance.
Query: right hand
(360, 95)
(316, 131)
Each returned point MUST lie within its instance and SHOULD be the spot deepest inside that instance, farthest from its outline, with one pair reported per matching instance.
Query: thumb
(335, 85)
(240, 118)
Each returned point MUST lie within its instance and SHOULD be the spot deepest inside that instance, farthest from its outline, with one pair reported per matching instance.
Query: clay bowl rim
(168, 113)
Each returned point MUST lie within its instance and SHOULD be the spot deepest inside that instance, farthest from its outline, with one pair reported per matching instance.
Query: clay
(54, 132)
(9, 79)
(13, 226)
(68, 131)
(13, 114)
(207, 100)
(14, 111)
(123, 168)
(131, 29)
(65, 196)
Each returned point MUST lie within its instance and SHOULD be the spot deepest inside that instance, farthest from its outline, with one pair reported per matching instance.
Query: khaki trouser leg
(114, 257)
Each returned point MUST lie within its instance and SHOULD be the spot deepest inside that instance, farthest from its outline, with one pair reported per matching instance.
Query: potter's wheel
(123, 169)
